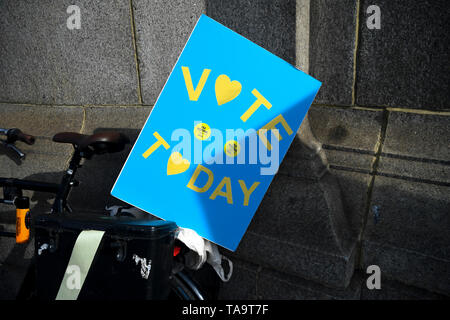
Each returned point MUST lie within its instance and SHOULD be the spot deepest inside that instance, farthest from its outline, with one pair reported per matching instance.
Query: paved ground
(366, 181)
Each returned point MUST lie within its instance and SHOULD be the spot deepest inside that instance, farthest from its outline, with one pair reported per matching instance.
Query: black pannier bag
(133, 260)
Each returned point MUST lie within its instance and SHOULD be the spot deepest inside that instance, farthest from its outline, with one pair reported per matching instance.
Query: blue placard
(216, 135)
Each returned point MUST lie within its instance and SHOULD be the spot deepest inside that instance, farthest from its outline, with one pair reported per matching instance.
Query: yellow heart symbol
(226, 90)
(177, 164)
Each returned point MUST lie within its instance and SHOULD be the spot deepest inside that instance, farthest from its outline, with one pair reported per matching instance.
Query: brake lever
(15, 149)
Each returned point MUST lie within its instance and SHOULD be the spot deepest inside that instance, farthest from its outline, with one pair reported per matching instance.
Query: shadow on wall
(97, 176)
(407, 233)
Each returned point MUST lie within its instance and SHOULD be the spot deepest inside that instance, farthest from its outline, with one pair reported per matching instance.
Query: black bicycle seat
(102, 142)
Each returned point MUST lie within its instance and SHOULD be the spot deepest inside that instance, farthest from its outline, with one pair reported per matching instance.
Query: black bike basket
(117, 270)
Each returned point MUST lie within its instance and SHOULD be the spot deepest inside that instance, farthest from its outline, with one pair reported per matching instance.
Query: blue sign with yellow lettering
(216, 135)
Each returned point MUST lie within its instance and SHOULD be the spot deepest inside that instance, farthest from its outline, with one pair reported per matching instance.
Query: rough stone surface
(45, 160)
(303, 162)
(353, 189)
(242, 285)
(131, 119)
(270, 24)
(40, 121)
(345, 127)
(303, 168)
(300, 228)
(43, 122)
(404, 64)
(394, 290)
(162, 29)
(92, 195)
(325, 268)
(424, 169)
(14, 262)
(42, 61)
(274, 285)
(344, 159)
(407, 233)
(305, 157)
(250, 281)
(302, 35)
(332, 43)
(418, 135)
(349, 135)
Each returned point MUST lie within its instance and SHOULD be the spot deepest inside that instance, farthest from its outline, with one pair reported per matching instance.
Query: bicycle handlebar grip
(16, 134)
(22, 217)
(27, 138)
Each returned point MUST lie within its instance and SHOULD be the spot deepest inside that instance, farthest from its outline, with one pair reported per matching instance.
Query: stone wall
(365, 182)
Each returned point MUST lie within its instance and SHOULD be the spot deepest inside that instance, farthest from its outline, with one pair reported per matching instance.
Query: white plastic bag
(206, 251)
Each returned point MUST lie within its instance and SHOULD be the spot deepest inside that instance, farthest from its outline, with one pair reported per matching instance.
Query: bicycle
(182, 284)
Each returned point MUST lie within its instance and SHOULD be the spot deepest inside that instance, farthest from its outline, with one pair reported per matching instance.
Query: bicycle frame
(182, 286)
(68, 181)
(12, 188)
(13, 195)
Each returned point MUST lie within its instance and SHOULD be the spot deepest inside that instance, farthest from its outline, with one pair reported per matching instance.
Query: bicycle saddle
(102, 142)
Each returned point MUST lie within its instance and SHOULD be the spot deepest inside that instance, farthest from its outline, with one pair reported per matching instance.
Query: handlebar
(27, 138)
(14, 134)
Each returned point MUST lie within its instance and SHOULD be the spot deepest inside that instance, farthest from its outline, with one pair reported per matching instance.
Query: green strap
(83, 254)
